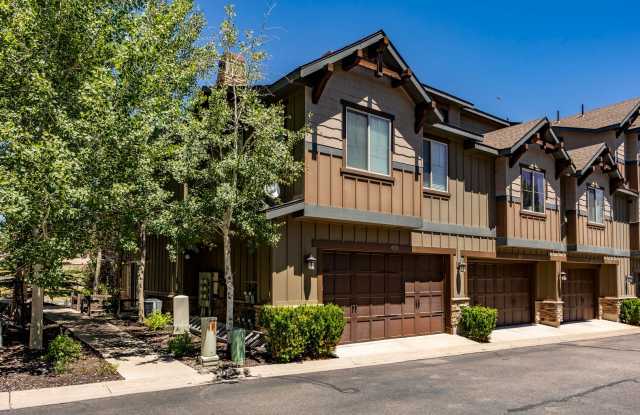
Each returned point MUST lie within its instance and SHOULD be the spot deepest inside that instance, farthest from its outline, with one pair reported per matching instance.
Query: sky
(516, 59)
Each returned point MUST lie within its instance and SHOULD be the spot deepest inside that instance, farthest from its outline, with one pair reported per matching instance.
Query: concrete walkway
(444, 345)
(142, 369)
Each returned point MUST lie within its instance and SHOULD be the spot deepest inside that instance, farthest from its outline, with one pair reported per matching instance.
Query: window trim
(347, 106)
(596, 189)
(544, 190)
(446, 167)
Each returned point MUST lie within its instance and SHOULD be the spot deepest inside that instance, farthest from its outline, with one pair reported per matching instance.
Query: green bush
(630, 311)
(62, 351)
(477, 322)
(181, 345)
(306, 330)
(158, 321)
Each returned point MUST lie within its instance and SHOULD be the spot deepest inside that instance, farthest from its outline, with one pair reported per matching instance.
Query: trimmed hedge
(630, 311)
(477, 323)
(300, 331)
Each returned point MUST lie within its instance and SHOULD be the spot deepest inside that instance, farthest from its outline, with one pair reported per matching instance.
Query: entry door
(578, 295)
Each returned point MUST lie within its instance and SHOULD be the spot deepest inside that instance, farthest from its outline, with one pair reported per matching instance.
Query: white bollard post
(208, 338)
(180, 314)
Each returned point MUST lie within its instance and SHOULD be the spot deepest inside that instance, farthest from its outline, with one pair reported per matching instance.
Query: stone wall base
(609, 308)
(549, 313)
(456, 313)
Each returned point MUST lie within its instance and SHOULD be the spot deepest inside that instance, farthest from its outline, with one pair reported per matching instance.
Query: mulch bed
(22, 369)
(159, 342)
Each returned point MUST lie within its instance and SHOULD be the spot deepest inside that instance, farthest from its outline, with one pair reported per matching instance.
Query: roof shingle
(507, 137)
(583, 155)
(609, 116)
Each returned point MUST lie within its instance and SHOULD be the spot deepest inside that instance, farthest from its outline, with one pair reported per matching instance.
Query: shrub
(306, 330)
(62, 351)
(158, 321)
(181, 345)
(630, 311)
(107, 369)
(478, 322)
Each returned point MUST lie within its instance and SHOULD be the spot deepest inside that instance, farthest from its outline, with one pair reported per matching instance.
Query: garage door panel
(391, 295)
(505, 287)
(578, 294)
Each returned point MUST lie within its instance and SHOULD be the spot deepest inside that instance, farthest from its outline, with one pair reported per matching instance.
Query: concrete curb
(66, 394)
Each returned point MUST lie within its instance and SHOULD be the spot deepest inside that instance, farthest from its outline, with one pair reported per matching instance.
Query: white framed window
(533, 190)
(368, 142)
(435, 169)
(595, 205)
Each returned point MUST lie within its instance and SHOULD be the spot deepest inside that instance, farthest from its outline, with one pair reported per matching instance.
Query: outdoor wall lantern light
(630, 279)
(310, 260)
(462, 266)
(563, 276)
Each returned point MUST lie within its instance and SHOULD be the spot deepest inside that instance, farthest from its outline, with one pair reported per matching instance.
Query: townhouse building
(415, 203)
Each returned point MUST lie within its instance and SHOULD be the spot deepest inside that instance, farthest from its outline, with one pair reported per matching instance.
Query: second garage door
(504, 286)
(385, 296)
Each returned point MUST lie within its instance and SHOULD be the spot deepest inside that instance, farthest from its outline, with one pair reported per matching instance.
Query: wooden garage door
(578, 293)
(385, 296)
(506, 287)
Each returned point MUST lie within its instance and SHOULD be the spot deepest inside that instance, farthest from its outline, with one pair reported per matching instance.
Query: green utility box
(236, 342)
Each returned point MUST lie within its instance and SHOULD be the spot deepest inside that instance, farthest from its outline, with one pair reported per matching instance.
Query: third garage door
(504, 286)
(578, 293)
(383, 295)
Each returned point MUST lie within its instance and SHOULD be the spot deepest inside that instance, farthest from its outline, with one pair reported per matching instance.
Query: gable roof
(609, 117)
(507, 138)
(583, 157)
(415, 88)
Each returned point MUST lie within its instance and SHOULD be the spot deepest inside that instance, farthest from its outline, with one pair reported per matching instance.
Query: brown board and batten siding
(292, 282)
(328, 181)
(513, 221)
(614, 232)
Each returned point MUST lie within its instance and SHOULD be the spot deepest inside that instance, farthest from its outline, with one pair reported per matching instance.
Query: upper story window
(595, 205)
(368, 142)
(533, 190)
(435, 156)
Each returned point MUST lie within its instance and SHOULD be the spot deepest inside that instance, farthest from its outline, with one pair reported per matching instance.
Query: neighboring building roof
(612, 116)
(506, 138)
(635, 125)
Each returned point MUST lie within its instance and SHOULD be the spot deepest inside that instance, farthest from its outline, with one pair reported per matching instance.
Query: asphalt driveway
(588, 377)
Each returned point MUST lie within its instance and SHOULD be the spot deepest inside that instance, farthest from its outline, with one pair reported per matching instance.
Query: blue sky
(516, 59)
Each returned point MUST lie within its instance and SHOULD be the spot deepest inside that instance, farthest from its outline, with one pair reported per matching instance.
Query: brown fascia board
(488, 116)
(630, 118)
(525, 138)
(447, 96)
(597, 154)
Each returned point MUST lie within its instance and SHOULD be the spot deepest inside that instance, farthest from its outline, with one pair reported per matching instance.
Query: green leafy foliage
(158, 321)
(62, 351)
(630, 311)
(306, 330)
(477, 322)
(181, 345)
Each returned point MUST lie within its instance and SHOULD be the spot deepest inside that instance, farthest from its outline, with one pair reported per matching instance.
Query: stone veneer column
(549, 313)
(456, 312)
(609, 308)
(458, 292)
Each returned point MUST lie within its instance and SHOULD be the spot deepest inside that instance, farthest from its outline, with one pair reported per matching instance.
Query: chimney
(231, 70)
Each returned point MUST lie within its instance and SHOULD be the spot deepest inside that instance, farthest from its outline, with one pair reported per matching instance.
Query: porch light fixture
(462, 266)
(630, 279)
(310, 260)
(563, 276)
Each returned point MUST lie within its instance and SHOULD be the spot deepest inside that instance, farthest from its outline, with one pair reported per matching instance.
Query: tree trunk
(35, 330)
(228, 277)
(96, 277)
(142, 259)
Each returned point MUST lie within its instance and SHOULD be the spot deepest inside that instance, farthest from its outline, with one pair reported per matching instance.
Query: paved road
(589, 377)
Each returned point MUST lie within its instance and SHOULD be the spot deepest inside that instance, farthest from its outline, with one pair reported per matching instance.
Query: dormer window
(533, 189)
(595, 205)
